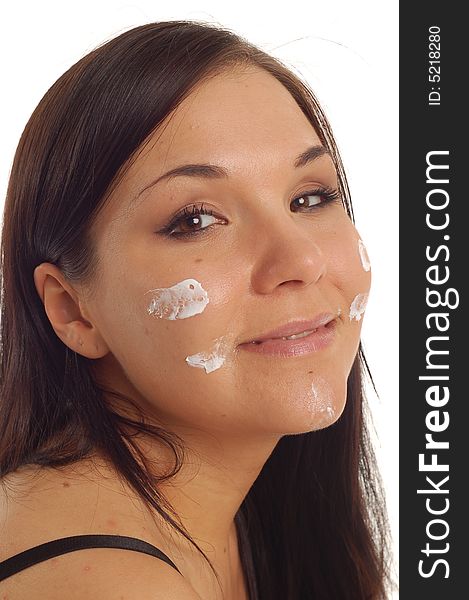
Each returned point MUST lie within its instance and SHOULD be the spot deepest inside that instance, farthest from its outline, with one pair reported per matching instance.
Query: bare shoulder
(108, 574)
(38, 505)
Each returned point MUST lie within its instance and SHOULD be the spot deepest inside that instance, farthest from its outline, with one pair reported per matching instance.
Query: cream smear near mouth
(211, 360)
(180, 301)
(364, 255)
(358, 306)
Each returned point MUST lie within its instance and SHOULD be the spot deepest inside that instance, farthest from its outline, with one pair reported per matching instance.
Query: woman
(183, 292)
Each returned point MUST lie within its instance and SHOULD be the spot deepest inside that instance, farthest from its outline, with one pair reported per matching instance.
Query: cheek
(162, 317)
(348, 282)
(348, 267)
(168, 330)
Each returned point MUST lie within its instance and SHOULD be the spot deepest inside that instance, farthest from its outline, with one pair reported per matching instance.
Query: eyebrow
(215, 172)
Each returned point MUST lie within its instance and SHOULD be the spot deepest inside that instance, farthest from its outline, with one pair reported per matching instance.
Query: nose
(287, 253)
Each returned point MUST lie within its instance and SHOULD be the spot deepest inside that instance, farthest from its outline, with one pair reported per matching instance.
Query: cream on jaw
(364, 255)
(322, 401)
(357, 308)
(180, 301)
(212, 360)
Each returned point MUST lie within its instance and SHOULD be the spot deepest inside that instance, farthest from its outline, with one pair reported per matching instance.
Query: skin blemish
(180, 301)
(87, 568)
(364, 255)
(357, 308)
(211, 360)
(65, 484)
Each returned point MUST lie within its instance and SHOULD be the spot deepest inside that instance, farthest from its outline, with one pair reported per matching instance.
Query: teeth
(291, 337)
(298, 335)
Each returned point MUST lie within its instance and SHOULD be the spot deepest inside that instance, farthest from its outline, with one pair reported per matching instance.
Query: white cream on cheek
(358, 306)
(364, 255)
(211, 360)
(180, 301)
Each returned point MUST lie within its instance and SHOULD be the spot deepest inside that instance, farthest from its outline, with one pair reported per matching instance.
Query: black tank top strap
(37, 554)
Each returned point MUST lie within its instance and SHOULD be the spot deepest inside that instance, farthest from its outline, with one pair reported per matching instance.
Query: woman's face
(173, 309)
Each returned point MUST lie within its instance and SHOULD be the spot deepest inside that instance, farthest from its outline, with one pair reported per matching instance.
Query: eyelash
(328, 194)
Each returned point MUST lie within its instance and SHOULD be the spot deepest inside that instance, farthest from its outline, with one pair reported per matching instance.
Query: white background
(346, 50)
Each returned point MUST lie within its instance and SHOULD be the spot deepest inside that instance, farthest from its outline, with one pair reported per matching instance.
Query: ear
(66, 313)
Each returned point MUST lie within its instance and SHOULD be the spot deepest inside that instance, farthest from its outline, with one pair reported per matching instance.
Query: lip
(324, 325)
(294, 327)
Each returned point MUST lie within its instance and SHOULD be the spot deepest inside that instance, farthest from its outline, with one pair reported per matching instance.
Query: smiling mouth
(294, 336)
(296, 344)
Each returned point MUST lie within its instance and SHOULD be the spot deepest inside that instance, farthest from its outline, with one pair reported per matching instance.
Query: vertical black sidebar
(434, 320)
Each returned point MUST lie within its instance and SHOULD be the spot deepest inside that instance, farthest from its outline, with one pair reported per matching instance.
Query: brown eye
(191, 221)
(194, 223)
(319, 197)
(308, 200)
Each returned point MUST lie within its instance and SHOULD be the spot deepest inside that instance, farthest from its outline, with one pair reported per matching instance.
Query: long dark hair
(314, 523)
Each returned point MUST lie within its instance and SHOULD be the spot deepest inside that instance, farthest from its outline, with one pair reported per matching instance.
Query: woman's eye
(194, 222)
(320, 197)
(308, 200)
(191, 222)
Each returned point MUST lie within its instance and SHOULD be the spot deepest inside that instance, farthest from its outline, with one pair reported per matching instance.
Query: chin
(317, 407)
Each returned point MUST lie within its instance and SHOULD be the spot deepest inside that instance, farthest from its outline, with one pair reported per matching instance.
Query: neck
(216, 475)
(206, 493)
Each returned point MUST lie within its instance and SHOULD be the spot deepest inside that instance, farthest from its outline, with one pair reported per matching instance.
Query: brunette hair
(314, 523)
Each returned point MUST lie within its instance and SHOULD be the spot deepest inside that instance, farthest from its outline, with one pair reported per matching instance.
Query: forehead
(242, 120)
(236, 119)
(238, 108)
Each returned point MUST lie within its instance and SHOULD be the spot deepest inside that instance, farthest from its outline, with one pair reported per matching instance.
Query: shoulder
(102, 573)
(38, 505)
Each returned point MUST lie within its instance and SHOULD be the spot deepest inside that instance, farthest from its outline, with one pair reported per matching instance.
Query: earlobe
(64, 311)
